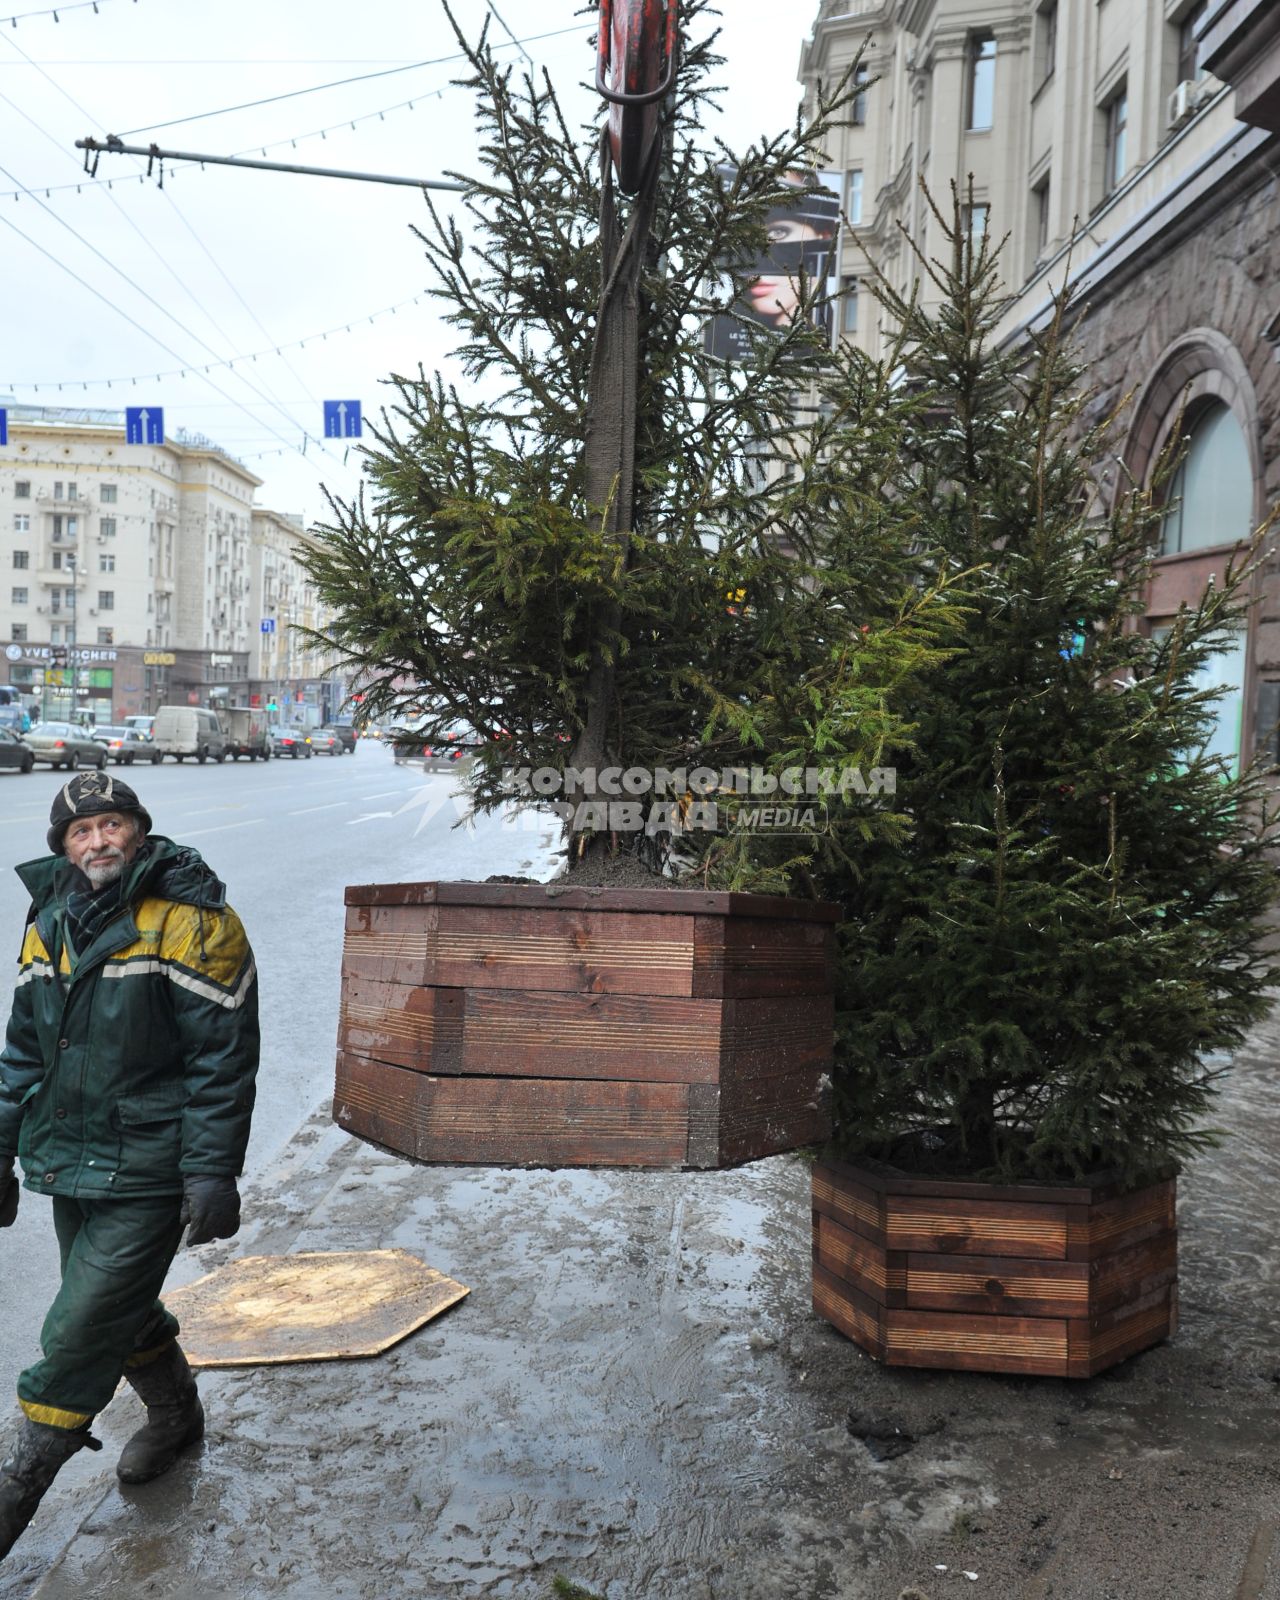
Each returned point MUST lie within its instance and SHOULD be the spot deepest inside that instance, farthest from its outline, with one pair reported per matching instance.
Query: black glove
(9, 1192)
(212, 1207)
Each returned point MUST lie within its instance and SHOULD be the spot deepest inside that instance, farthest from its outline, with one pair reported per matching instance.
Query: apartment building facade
(290, 673)
(1130, 146)
(126, 571)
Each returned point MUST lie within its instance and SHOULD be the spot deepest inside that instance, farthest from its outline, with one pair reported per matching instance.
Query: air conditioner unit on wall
(1181, 103)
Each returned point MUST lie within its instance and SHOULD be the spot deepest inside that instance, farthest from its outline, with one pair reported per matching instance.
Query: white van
(180, 731)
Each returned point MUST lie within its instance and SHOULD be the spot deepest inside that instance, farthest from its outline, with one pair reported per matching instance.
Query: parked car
(13, 752)
(143, 724)
(126, 745)
(324, 741)
(344, 731)
(291, 742)
(63, 744)
(181, 731)
(112, 740)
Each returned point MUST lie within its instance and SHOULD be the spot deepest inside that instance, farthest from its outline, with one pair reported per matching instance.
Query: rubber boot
(175, 1417)
(31, 1466)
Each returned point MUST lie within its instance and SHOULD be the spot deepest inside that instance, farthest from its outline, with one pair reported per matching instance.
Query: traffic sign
(342, 419)
(144, 425)
(4, 426)
(268, 624)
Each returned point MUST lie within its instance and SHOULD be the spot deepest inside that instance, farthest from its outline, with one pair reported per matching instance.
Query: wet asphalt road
(286, 837)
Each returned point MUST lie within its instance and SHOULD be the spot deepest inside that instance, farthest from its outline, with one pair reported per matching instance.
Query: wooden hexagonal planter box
(541, 1025)
(1063, 1281)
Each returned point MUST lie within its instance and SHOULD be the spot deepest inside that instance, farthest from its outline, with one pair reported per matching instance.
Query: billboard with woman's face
(800, 259)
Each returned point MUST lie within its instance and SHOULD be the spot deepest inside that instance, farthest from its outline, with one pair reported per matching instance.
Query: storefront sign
(44, 652)
(158, 658)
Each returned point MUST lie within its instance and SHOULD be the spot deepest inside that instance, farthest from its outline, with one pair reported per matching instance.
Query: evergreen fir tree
(748, 617)
(1039, 977)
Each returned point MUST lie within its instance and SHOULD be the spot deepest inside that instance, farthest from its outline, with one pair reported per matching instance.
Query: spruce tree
(1038, 979)
(760, 611)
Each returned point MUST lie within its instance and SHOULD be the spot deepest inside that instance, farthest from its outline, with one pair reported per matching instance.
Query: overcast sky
(224, 263)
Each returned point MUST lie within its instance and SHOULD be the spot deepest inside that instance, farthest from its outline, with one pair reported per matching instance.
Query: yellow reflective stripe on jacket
(204, 952)
(193, 982)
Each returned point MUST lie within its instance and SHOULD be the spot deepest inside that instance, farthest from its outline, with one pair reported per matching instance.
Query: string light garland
(343, 124)
(52, 11)
(133, 380)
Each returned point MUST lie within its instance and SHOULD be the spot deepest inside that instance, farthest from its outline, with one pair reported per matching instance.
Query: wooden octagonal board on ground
(316, 1306)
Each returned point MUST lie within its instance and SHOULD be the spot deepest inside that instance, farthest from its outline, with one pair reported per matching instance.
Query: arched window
(1211, 495)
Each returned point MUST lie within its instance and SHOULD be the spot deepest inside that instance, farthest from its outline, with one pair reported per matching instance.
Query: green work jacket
(133, 1064)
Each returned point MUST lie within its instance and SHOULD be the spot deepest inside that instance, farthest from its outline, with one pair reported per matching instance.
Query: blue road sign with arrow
(143, 425)
(268, 625)
(4, 426)
(342, 419)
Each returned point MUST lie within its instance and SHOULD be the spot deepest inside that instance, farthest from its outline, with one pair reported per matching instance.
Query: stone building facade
(1133, 147)
(131, 576)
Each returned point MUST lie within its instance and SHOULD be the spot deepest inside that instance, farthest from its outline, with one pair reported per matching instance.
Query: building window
(982, 81)
(858, 110)
(1211, 495)
(106, 563)
(107, 494)
(18, 633)
(56, 558)
(1116, 112)
(18, 597)
(107, 527)
(1048, 39)
(22, 558)
(22, 523)
(1190, 69)
(853, 195)
(848, 305)
(1040, 216)
(22, 489)
(106, 599)
(106, 635)
(975, 222)
(57, 489)
(73, 492)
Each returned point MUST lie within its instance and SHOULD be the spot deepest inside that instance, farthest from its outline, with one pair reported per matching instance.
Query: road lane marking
(222, 828)
(369, 816)
(306, 810)
(383, 793)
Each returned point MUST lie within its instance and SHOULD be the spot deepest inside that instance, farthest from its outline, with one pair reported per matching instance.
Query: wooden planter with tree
(551, 1026)
(1062, 1280)
(569, 559)
(1039, 984)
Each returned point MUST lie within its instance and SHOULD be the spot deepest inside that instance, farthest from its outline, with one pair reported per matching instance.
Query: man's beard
(105, 869)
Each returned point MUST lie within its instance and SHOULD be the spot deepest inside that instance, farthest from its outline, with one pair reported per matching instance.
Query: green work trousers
(107, 1315)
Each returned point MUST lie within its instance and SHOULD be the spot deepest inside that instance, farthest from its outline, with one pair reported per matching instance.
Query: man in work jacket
(126, 1089)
